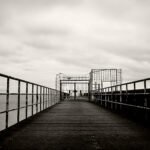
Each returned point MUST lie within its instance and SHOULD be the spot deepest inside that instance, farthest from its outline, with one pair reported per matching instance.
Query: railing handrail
(25, 81)
(41, 98)
(131, 82)
(133, 101)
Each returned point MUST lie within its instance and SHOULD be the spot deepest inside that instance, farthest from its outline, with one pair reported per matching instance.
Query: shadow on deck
(77, 125)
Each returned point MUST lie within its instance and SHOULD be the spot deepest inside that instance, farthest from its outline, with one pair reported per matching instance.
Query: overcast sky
(40, 38)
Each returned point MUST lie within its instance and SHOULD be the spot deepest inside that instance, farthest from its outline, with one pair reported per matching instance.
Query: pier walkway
(77, 125)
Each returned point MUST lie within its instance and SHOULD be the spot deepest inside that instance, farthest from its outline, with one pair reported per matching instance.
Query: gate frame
(75, 83)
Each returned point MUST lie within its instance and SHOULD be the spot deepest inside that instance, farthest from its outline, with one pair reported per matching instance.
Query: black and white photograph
(74, 74)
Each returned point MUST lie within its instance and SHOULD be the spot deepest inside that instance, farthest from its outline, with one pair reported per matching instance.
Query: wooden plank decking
(77, 125)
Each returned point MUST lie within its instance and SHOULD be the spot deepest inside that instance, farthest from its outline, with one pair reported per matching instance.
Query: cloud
(40, 38)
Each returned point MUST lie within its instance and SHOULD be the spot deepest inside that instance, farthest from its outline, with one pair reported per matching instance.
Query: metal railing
(21, 99)
(132, 98)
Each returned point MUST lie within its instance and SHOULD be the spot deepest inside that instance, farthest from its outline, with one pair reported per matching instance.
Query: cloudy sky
(40, 38)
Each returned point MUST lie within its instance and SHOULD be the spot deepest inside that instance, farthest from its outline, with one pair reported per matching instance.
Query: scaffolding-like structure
(100, 78)
(88, 84)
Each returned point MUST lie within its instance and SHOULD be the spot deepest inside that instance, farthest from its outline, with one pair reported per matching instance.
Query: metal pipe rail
(132, 98)
(28, 99)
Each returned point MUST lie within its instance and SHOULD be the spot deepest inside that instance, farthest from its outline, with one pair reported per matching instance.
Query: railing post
(108, 98)
(60, 90)
(111, 97)
(32, 99)
(40, 98)
(43, 98)
(145, 102)
(126, 102)
(7, 102)
(145, 97)
(18, 108)
(101, 97)
(51, 97)
(105, 103)
(26, 100)
(48, 98)
(126, 93)
(115, 100)
(88, 91)
(55, 97)
(134, 86)
(37, 98)
(120, 97)
(58, 96)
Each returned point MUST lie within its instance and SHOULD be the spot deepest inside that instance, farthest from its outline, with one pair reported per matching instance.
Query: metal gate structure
(75, 87)
(84, 86)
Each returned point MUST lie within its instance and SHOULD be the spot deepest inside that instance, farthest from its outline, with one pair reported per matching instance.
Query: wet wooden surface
(77, 125)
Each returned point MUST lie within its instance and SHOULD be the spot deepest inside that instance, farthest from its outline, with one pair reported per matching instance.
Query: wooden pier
(76, 125)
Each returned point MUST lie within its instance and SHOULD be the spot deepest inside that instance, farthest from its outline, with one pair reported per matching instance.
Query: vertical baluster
(115, 99)
(111, 97)
(57, 96)
(120, 97)
(7, 102)
(105, 97)
(145, 96)
(126, 110)
(134, 86)
(32, 99)
(126, 93)
(146, 102)
(40, 98)
(51, 96)
(37, 98)
(43, 99)
(88, 91)
(18, 108)
(108, 97)
(26, 100)
(48, 98)
(60, 90)
(101, 97)
(134, 110)
(54, 96)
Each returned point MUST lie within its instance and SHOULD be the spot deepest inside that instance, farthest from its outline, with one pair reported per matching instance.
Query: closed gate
(77, 90)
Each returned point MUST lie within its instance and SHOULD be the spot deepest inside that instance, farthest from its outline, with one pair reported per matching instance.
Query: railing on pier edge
(27, 100)
(132, 99)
